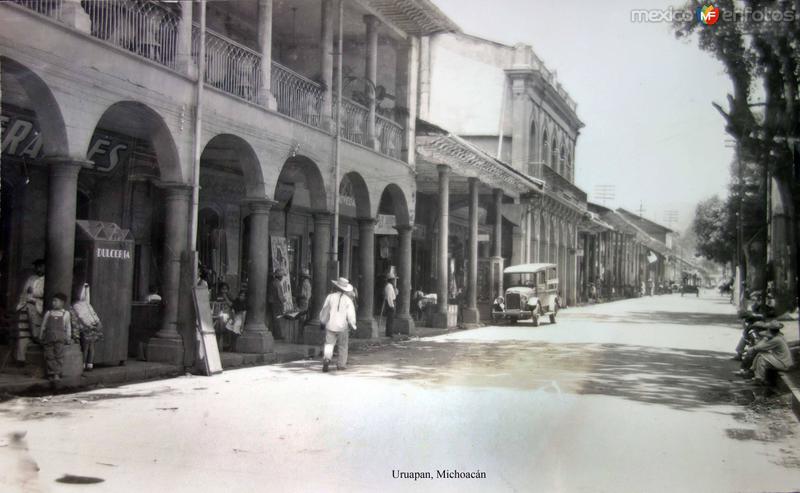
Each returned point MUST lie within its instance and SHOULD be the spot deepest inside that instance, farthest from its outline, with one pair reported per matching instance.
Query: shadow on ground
(678, 378)
(664, 317)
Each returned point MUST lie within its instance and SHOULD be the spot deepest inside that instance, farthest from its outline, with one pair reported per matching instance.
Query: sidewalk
(22, 381)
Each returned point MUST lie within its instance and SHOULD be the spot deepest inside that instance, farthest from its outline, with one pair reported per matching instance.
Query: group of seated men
(762, 349)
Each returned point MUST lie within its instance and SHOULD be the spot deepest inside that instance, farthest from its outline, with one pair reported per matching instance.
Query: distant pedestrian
(338, 315)
(56, 333)
(304, 294)
(152, 295)
(389, 303)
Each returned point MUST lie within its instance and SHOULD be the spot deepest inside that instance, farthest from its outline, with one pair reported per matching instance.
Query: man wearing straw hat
(338, 315)
(389, 301)
(770, 353)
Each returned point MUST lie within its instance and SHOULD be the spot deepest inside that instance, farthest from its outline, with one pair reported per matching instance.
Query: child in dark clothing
(56, 332)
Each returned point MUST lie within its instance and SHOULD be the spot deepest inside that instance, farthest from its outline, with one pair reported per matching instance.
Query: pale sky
(644, 96)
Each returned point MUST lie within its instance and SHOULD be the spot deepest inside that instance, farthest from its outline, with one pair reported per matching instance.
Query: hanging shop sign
(385, 225)
(22, 139)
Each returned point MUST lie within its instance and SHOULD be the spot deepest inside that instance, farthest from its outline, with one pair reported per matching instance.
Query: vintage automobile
(532, 293)
(690, 283)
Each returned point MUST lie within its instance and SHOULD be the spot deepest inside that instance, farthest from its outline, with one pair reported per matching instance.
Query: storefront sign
(112, 253)
(385, 225)
(22, 139)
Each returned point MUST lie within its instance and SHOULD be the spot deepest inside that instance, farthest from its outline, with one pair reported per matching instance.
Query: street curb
(788, 384)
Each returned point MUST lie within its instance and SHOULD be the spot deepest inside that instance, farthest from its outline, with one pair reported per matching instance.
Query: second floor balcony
(291, 72)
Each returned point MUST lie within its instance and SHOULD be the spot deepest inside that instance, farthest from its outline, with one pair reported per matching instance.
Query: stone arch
(360, 193)
(302, 170)
(35, 94)
(394, 198)
(138, 120)
(238, 156)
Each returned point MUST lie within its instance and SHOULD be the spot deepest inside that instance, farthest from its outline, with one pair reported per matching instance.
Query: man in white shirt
(338, 315)
(29, 311)
(389, 303)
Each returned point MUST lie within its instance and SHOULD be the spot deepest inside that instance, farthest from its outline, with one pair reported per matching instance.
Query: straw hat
(343, 284)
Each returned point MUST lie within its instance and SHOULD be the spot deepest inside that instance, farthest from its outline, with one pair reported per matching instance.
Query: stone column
(183, 55)
(440, 318)
(496, 263)
(404, 323)
(572, 252)
(330, 9)
(367, 328)
(471, 316)
(371, 74)
(320, 285)
(167, 345)
(62, 193)
(256, 336)
(265, 96)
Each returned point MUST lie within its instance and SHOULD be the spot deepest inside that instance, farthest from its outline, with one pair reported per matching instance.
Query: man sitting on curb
(770, 353)
(339, 316)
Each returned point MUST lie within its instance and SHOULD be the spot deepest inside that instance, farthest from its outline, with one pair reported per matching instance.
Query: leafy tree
(712, 226)
(758, 42)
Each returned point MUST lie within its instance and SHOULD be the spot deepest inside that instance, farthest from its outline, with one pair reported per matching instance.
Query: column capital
(371, 20)
(405, 228)
(175, 187)
(322, 216)
(64, 166)
(367, 222)
(258, 205)
(443, 169)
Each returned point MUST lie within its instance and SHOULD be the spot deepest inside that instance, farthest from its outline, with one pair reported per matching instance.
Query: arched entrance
(301, 220)
(393, 252)
(33, 132)
(132, 180)
(230, 250)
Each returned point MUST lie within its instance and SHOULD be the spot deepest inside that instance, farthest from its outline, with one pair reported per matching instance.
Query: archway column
(256, 336)
(470, 314)
(320, 247)
(496, 265)
(167, 345)
(404, 323)
(62, 191)
(440, 317)
(367, 328)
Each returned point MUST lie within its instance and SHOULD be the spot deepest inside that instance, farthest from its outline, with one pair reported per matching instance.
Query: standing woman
(88, 326)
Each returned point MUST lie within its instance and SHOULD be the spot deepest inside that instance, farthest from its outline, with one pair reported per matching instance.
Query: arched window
(532, 157)
(546, 149)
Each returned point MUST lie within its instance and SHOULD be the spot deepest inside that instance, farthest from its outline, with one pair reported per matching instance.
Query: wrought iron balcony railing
(150, 29)
(297, 97)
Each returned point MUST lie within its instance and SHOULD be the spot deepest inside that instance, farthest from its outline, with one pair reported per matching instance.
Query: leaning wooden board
(207, 350)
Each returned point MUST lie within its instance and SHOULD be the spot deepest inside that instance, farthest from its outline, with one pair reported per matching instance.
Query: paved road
(634, 396)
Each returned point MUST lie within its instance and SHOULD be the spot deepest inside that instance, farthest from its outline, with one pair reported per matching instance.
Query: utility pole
(604, 193)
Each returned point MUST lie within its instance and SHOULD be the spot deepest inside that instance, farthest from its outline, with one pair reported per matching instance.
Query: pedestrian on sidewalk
(389, 301)
(30, 309)
(87, 325)
(338, 315)
(56, 333)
